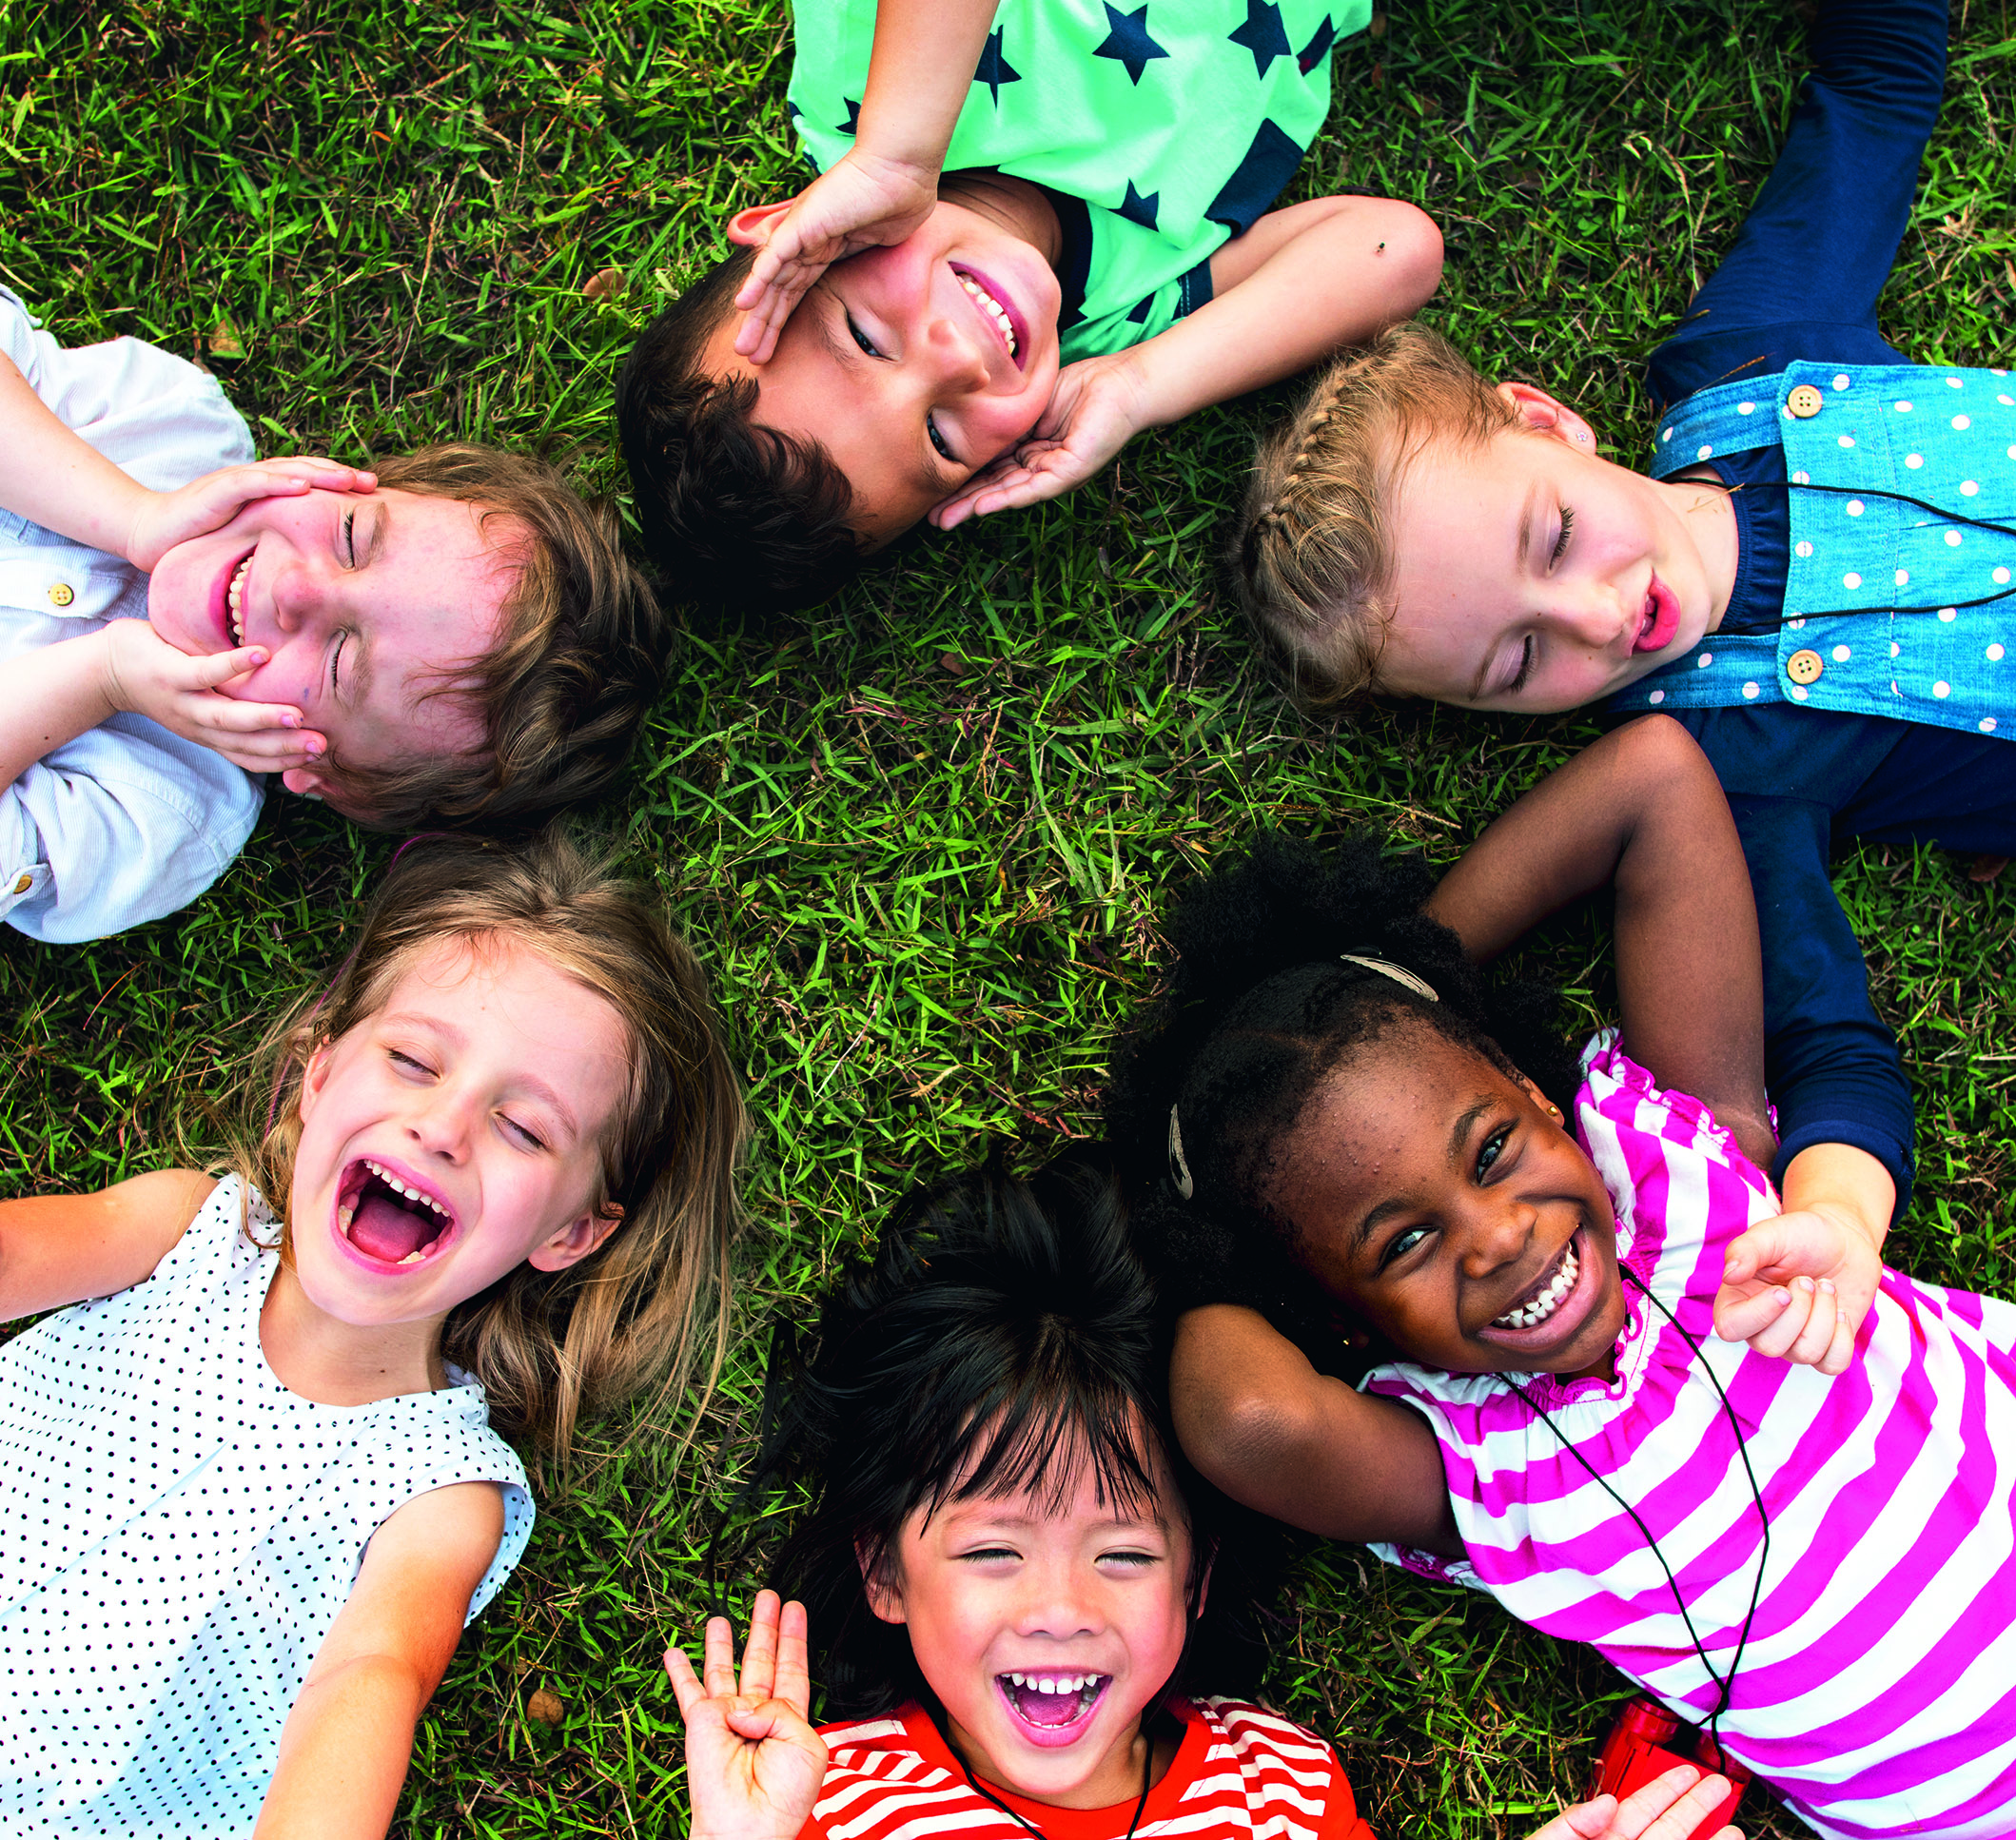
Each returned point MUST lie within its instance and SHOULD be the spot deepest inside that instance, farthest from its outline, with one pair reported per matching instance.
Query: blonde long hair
(1312, 559)
(550, 1346)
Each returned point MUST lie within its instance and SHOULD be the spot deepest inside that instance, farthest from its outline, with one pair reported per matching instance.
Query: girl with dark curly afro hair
(1607, 1388)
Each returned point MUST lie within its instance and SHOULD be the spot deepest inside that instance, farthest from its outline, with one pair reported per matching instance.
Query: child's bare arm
(346, 1746)
(58, 1249)
(919, 74)
(1642, 809)
(1299, 284)
(1264, 1425)
(51, 476)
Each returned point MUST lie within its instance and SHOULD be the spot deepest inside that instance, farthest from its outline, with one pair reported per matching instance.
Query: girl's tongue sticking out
(389, 1220)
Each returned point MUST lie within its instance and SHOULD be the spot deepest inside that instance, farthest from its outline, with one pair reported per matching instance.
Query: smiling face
(1439, 1198)
(454, 1136)
(1533, 575)
(1046, 1629)
(914, 365)
(362, 601)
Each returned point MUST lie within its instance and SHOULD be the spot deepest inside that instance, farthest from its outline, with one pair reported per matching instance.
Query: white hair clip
(1179, 1169)
(1399, 973)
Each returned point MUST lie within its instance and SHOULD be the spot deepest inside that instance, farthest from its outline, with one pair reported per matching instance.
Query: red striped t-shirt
(1240, 1773)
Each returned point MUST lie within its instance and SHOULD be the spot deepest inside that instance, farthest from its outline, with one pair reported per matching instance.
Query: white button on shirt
(128, 822)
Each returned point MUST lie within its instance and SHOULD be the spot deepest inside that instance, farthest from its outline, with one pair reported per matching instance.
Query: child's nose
(442, 1125)
(958, 358)
(1497, 1236)
(1052, 1605)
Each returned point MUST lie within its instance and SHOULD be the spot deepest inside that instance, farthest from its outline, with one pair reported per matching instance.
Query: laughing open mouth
(388, 1219)
(1546, 1296)
(1049, 1701)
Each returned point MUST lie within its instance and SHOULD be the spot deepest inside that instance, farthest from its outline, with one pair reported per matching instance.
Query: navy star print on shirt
(1313, 51)
(1128, 40)
(1137, 209)
(1263, 34)
(853, 116)
(995, 69)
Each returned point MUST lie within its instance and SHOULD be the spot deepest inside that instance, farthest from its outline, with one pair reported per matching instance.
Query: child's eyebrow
(1522, 555)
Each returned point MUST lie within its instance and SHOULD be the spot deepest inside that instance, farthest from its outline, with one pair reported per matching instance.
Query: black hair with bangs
(1004, 1336)
(1259, 1010)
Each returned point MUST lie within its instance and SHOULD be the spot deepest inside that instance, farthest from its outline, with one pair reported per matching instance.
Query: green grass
(923, 837)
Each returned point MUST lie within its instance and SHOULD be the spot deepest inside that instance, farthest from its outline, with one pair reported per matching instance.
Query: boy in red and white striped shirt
(1019, 1584)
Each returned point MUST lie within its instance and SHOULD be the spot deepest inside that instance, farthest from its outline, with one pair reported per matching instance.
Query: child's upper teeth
(993, 308)
(233, 595)
(400, 1187)
(1549, 1300)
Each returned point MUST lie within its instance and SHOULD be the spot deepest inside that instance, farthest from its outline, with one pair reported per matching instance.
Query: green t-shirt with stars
(1160, 130)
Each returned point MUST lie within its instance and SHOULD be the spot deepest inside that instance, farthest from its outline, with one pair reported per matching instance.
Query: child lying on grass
(1619, 1389)
(888, 344)
(250, 1488)
(455, 638)
(1816, 580)
(1030, 1609)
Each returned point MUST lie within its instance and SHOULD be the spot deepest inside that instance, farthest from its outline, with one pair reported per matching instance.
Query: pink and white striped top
(1878, 1689)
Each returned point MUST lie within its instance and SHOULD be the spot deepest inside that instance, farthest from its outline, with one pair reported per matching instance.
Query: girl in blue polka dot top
(250, 1488)
(1818, 577)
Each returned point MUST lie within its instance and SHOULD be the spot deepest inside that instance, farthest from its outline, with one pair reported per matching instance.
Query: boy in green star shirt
(901, 340)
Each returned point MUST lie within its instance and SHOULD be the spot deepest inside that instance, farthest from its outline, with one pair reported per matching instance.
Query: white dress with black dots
(178, 1532)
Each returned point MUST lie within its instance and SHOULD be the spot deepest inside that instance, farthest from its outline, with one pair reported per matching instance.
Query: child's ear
(1545, 416)
(576, 1239)
(304, 780)
(1542, 1099)
(752, 227)
(313, 1077)
(884, 1599)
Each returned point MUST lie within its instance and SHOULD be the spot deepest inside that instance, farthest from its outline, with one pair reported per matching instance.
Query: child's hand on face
(862, 201)
(754, 1765)
(1669, 1808)
(1799, 1287)
(162, 520)
(145, 676)
(1098, 406)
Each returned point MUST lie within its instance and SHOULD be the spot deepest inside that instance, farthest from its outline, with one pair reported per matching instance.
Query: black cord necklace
(1725, 1683)
(1996, 527)
(1148, 1769)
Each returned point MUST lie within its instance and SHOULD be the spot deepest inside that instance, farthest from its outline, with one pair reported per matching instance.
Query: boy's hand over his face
(1098, 406)
(145, 674)
(1668, 1809)
(864, 200)
(754, 1765)
(162, 520)
(1799, 1287)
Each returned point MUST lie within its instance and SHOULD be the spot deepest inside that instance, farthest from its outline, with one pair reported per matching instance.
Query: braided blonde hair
(1312, 559)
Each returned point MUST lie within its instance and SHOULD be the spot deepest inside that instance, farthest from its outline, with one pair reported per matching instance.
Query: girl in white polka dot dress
(1818, 579)
(250, 1491)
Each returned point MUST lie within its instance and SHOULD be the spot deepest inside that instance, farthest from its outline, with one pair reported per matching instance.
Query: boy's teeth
(993, 308)
(233, 595)
(1549, 1300)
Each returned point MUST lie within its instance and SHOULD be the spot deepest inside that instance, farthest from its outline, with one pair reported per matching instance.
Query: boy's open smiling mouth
(997, 312)
(1052, 1709)
(387, 1220)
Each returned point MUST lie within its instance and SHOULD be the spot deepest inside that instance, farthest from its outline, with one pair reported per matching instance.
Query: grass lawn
(923, 835)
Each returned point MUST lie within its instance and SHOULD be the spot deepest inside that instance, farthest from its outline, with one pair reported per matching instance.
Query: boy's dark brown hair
(575, 668)
(738, 519)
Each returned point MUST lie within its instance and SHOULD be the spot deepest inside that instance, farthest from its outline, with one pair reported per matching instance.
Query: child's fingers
(1765, 1245)
(208, 669)
(1813, 1341)
(1775, 1339)
(1678, 1815)
(1743, 1312)
(1840, 1351)
(685, 1683)
(794, 1683)
(721, 1659)
(759, 1654)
